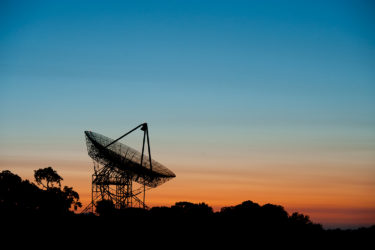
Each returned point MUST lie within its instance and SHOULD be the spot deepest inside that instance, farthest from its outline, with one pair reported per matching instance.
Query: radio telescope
(122, 174)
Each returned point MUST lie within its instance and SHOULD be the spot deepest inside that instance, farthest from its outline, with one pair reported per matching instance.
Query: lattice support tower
(122, 174)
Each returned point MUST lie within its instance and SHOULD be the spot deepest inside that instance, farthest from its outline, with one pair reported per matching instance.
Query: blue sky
(194, 63)
(277, 77)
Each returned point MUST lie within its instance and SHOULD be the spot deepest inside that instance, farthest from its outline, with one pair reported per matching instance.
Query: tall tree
(47, 177)
(71, 198)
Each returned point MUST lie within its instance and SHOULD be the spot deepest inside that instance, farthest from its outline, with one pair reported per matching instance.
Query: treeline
(51, 204)
(248, 213)
(46, 197)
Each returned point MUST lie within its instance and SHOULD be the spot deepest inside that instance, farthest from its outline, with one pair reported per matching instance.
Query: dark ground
(34, 217)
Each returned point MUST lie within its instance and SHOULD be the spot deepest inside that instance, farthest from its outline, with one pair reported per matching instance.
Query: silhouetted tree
(105, 207)
(300, 219)
(8, 179)
(191, 209)
(47, 175)
(71, 198)
(247, 214)
(16, 195)
(245, 209)
(19, 196)
(254, 217)
(274, 214)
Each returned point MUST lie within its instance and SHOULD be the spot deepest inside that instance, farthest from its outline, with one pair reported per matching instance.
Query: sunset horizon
(267, 101)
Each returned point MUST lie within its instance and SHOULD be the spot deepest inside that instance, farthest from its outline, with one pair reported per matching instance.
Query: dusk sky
(269, 101)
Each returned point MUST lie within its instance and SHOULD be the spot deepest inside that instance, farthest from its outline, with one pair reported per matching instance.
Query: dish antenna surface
(121, 173)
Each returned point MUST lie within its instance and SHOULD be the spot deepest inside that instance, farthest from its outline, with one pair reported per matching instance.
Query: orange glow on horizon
(330, 199)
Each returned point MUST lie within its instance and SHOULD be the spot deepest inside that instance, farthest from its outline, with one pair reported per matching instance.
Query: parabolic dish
(126, 160)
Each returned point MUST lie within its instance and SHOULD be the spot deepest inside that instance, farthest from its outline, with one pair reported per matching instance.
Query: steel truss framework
(121, 174)
(118, 187)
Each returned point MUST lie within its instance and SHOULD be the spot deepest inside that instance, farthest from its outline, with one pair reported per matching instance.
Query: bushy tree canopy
(19, 196)
(47, 177)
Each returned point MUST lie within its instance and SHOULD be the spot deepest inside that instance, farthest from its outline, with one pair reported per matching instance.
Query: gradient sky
(270, 101)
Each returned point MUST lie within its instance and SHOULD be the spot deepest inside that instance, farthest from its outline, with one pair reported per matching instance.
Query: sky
(269, 101)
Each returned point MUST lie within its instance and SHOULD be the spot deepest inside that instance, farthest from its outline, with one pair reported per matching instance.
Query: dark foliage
(21, 197)
(188, 223)
(190, 209)
(105, 208)
(47, 177)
